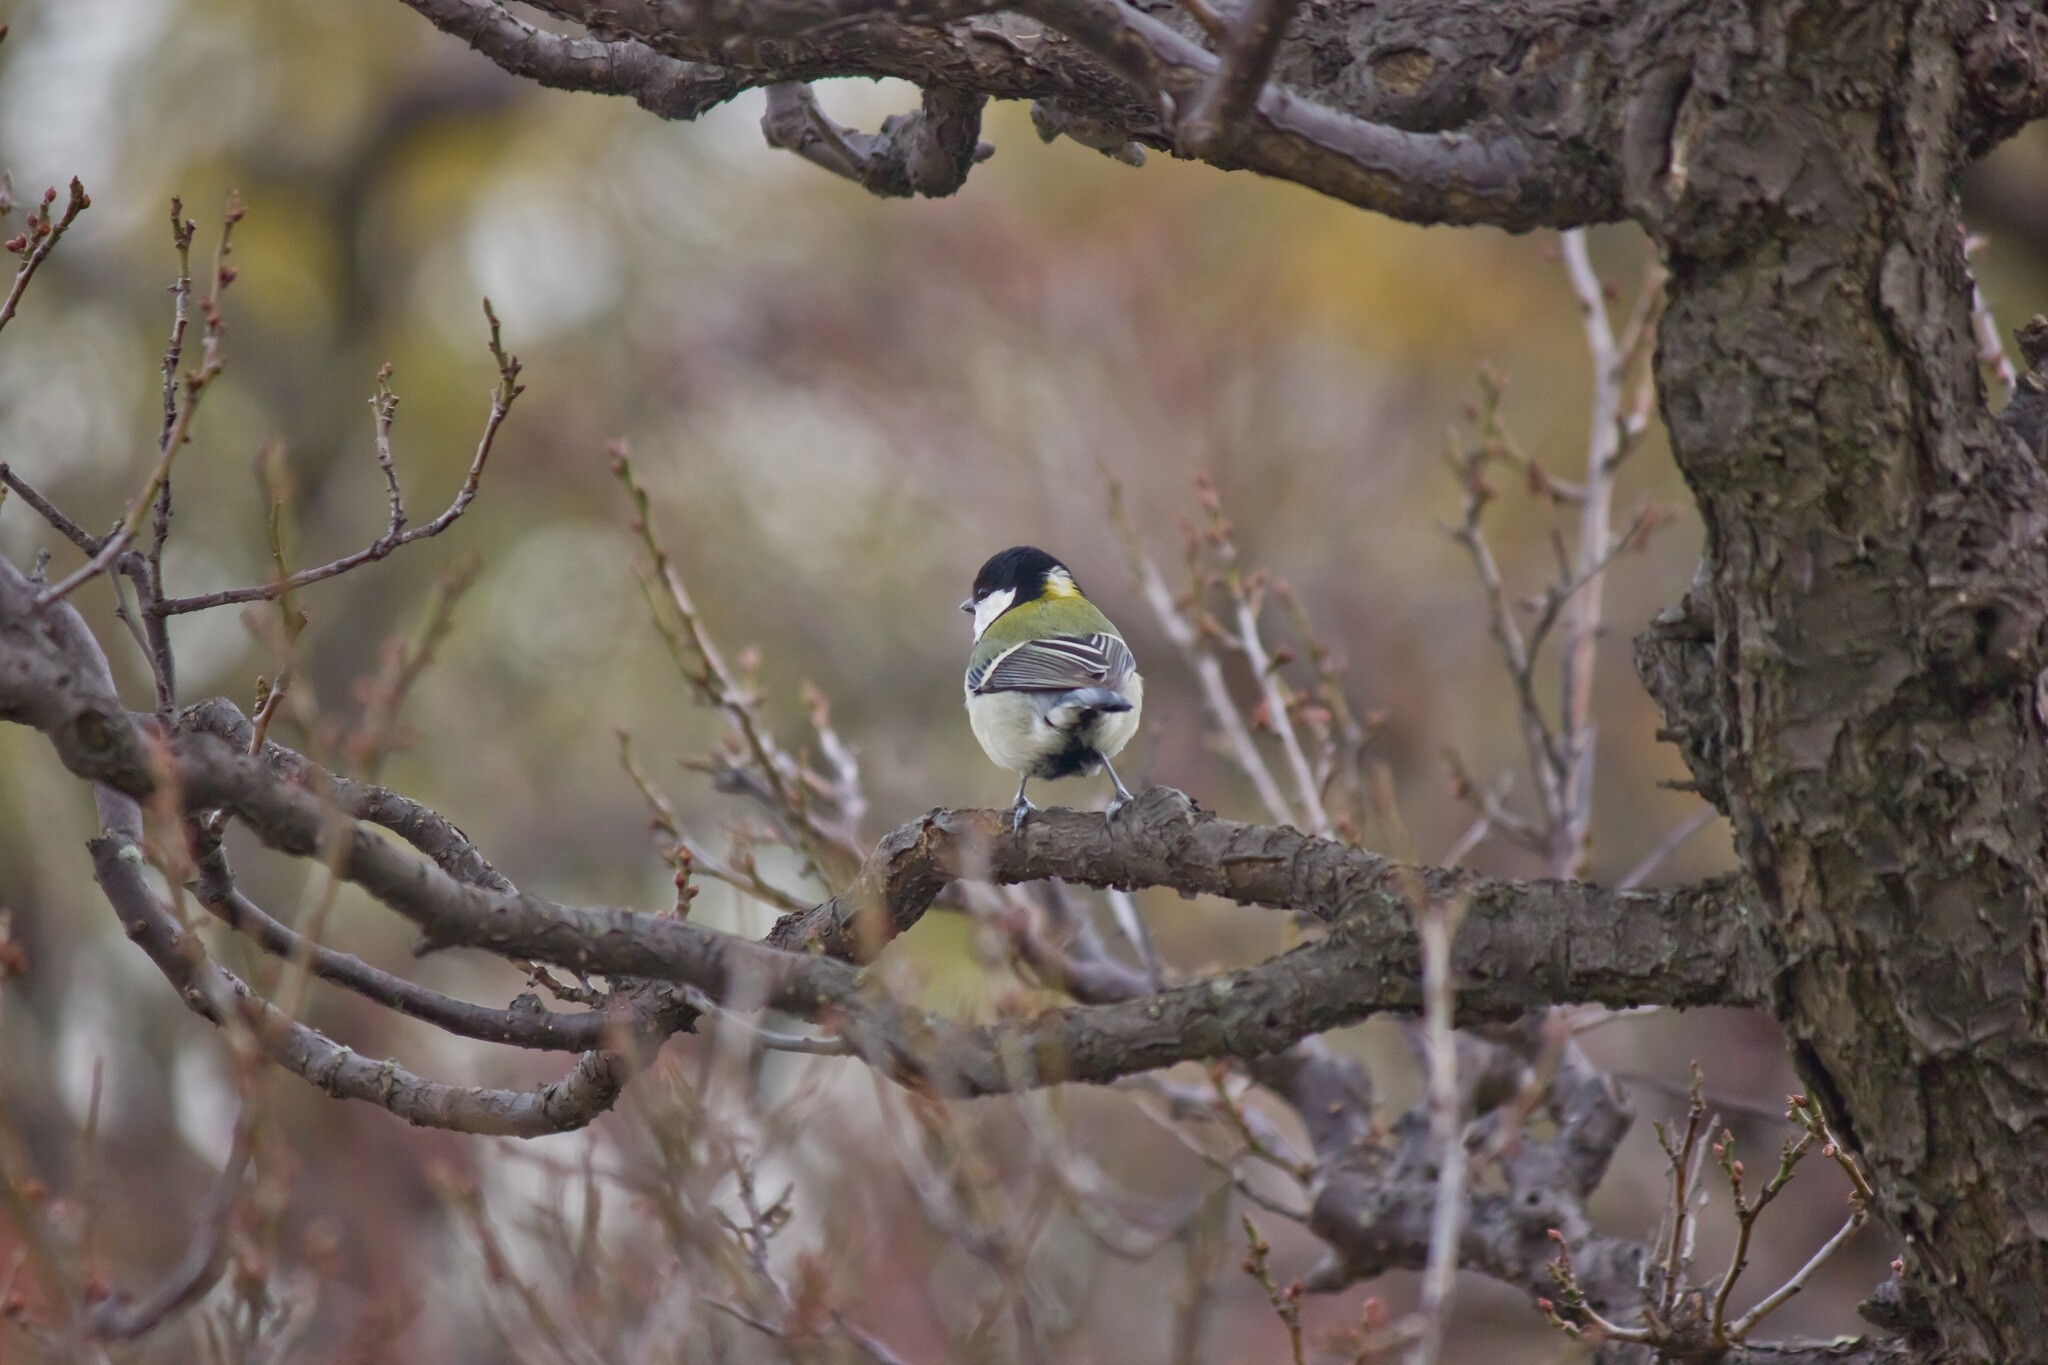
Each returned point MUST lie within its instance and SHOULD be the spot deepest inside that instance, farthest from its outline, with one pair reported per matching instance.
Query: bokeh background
(841, 406)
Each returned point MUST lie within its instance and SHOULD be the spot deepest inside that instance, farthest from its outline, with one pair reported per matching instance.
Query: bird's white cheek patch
(990, 607)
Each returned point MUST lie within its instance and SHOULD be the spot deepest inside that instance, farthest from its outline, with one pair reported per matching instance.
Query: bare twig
(376, 734)
(754, 764)
(1776, 1299)
(49, 512)
(1571, 830)
(1437, 924)
(1665, 847)
(146, 571)
(395, 535)
(1285, 1299)
(768, 1040)
(177, 431)
(37, 239)
(119, 1319)
(1202, 661)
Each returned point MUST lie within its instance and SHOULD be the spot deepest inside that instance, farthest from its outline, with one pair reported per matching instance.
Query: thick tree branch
(1524, 946)
(1512, 178)
(65, 652)
(218, 995)
(1526, 928)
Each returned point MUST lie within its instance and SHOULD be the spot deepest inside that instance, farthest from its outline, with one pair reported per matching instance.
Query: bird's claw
(1017, 814)
(1116, 804)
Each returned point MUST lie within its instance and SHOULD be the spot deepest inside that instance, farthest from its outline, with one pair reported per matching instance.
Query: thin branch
(1665, 847)
(1285, 1299)
(205, 1259)
(1544, 753)
(49, 512)
(1203, 663)
(1212, 122)
(176, 432)
(146, 571)
(1437, 924)
(221, 997)
(1278, 713)
(1777, 1298)
(768, 1040)
(395, 535)
(526, 1025)
(1572, 822)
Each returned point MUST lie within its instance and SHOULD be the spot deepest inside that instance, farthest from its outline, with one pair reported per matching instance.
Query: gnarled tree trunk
(1861, 688)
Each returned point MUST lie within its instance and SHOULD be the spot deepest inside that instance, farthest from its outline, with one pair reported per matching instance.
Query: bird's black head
(1022, 568)
(1018, 575)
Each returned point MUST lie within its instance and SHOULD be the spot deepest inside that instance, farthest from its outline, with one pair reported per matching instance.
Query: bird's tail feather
(1077, 706)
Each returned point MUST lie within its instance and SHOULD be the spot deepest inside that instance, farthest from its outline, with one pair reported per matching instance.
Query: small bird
(1052, 690)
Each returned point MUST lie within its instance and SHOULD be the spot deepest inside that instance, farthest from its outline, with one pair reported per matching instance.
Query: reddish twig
(37, 239)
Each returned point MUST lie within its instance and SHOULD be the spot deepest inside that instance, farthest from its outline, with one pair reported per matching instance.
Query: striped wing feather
(1058, 663)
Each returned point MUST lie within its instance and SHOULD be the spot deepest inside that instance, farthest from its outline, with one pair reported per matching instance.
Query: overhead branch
(661, 85)
(1509, 172)
(1505, 179)
(927, 152)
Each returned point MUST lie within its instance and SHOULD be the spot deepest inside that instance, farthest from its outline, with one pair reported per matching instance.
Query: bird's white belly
(1115, 730)
(1015, 734)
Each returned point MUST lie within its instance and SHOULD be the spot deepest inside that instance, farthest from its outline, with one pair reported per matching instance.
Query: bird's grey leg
(1020, 807)
(1123, 795)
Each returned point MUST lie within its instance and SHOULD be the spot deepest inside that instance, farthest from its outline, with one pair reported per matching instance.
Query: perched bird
(1052, 690)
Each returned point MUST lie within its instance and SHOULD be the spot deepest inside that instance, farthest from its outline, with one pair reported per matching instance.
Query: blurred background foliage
(841, 406)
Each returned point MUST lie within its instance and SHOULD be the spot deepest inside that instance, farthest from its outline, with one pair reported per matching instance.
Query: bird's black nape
(1022, 568)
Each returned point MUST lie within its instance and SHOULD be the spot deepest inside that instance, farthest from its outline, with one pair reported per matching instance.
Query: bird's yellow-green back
(1049, 615)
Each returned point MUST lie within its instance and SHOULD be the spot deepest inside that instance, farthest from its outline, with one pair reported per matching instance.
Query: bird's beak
(968, 605)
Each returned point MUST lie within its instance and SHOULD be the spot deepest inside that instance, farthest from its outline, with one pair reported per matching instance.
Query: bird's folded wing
(1056, 664)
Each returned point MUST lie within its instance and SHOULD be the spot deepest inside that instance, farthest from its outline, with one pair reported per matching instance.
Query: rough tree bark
(1867, 684)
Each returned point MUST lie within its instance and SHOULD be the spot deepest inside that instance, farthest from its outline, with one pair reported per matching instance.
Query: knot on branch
(927, 152)
(1376, 1200)
(2005, 65)
(1675, 660)
(1054, 120)
(2025, 418)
